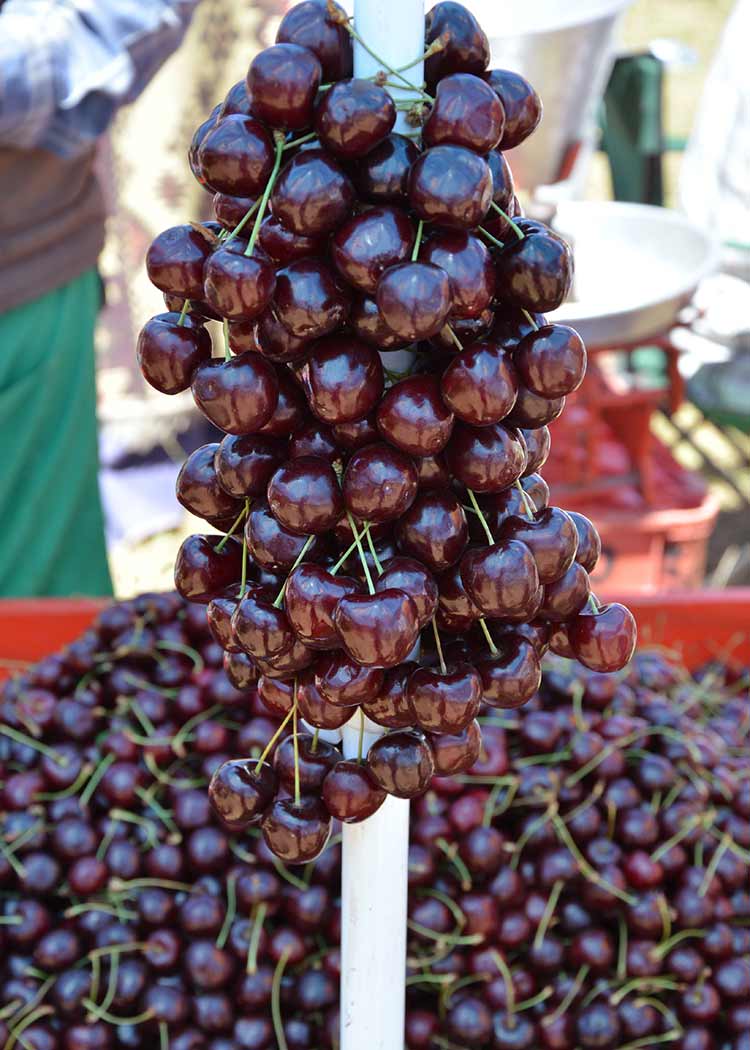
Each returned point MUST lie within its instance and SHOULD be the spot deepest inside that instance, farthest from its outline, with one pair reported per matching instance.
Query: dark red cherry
(486, 459)
(434, 530)
(310, 598)
(551, 361)
(282, 83)
(538, 445)
(432, 472)
(377, 630)
(315, 709)
(291, 408)
(589, 544)
(463, 332)
(241, 336)
(412, 416)
(283, 245)
(503, 194)
(275, 341)
(175, 261)
(273, 547)
(451, 186)
(198, 487)
(353, 117)
(239, 395)
(297, 832)
(345, 379)
(314, 760)
(236, 156)
(198, 136)
(502, 580)
(521, 105)
(304, 496)
(245, 464)
(603, 640)
(241, 793)
(513, 676)
(310, 24)
(219, 618)
(409, 575)
(367, 322)
(536, 272)
(355, 435)
(369, 243)
(343, 681)
(566, 596)
(314, 439)
(444, 701)
(466, 260)
(236, 100)
(351, 793)
(401, 762)
(380, 483)
(240, 670)
(202, 572)
(308, 301)
(480, 385)
(550, 535)
(455, 753)
(169, 352)
(238, 286)
(230, 211)
(531, 412)
(466, 47)
(466, 112)
(312, 195)
(260, 628)
(389, 708)
(456, 611)
(414, 299)
(382, 176)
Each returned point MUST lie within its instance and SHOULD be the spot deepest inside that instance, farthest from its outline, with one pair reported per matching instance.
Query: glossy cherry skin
(531, 412)
(521, 105)
(466, 112)
(367, 322)
(239, 395)
(503, 195)
(450, 186)
(271, 545)
(382, 176)
(447, 701)
(480, 385)
(432, 472)
(486, 459)
(291, 408)
(412, 416)
(239, 794)
(414, 299)
(390, 708)
(236, 156)
(168, 353)
(282, 83)
(538, 444)
(410, 576)
(455, 753)
(201, 572)
(344, 378)
(275, 341)
(314, 761)
(589, 543)
(604, 640)
(536, 272)
(466, 47)
(175, 261)
(369, 243)
(351, 793)
(314, 439)
(380, 483)
(239, 287)
(219, 619)
(511, 678)
(377, 630)
(297, 832)
(261, 629)
(198, 136)
(308, 301)
(230, 211)
(310, 25)
(283, 245)
(353, 117)
(245, 464)
(551, 361)
(344, 682)
(305, 497)
(434, 530)
(310, 598)
(315, 709)
(401, 762)
(312, 195)
(456, 611)
(198, 488)
(240, 670)
(355, 435)
(466, 260)
(551, 536)
(502, 580)
(566, 596)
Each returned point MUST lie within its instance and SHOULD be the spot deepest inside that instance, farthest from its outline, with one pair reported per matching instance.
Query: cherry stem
(591, 604)
(278, 1024)
(231, 913)
(93, 783)
(251, 966)
(389, 68)
(235, 524)
(713, 864)
(314, 744)
(441, 658)
(303, 138)
(586, 869)
(279, 137)
(666, 946)
(510, 991)
(454, 338)
(482, 519)
(280, 596)
(295, 741)
(549, 911)
(373, 552)
(227, 347)
(28, 741)
(516, 229)
(492, 239)
(417, 241)
(183, 312)
(163, 1035)
(528, 503)
(243, 221)
(361, 551)
(566, 1003)
(243, 576)
(530, 319)
(485, 630)
(346, 554)
(277, 734)
(361, 741)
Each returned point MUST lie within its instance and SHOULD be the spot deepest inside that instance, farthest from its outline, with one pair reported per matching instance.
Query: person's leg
(52, 535)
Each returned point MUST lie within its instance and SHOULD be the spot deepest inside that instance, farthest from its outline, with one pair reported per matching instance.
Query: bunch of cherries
(368, 511)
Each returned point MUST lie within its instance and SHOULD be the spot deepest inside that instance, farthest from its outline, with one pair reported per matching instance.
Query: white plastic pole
(375, 852)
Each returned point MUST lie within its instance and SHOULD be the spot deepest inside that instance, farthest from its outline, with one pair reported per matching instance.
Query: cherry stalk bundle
(371, 515)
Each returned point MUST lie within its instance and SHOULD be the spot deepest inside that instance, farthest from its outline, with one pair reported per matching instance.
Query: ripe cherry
(351, 793)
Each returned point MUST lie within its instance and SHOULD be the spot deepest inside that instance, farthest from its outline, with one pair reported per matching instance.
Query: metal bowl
(637, 266)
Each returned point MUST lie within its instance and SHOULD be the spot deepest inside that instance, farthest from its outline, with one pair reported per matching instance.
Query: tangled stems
(361, 551)
(235, 525)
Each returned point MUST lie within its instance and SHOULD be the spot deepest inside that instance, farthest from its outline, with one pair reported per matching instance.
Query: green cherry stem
(516, 229)
(486, 632)
(438, 646)
(227, 347)
(352, 547)
(490, 238)
(183, 312)
(530, 319)
(373, 552)
(361, 741)
(295, 741)
(243, 221)
(280, 596)
(279, 138)
(278, 1023)
(528, 504)
(303, 138)
(417, 241)
(361, 550)
(482, 519)
(405, 83)
(251, 966)
(454, 338)
(269, 746)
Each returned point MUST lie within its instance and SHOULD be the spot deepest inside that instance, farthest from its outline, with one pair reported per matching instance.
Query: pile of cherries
(368, 511)
(586, 884)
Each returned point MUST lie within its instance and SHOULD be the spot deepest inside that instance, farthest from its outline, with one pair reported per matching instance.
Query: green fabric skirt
(52, 536)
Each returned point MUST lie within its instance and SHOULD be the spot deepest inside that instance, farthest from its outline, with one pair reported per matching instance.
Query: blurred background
(642, 160)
